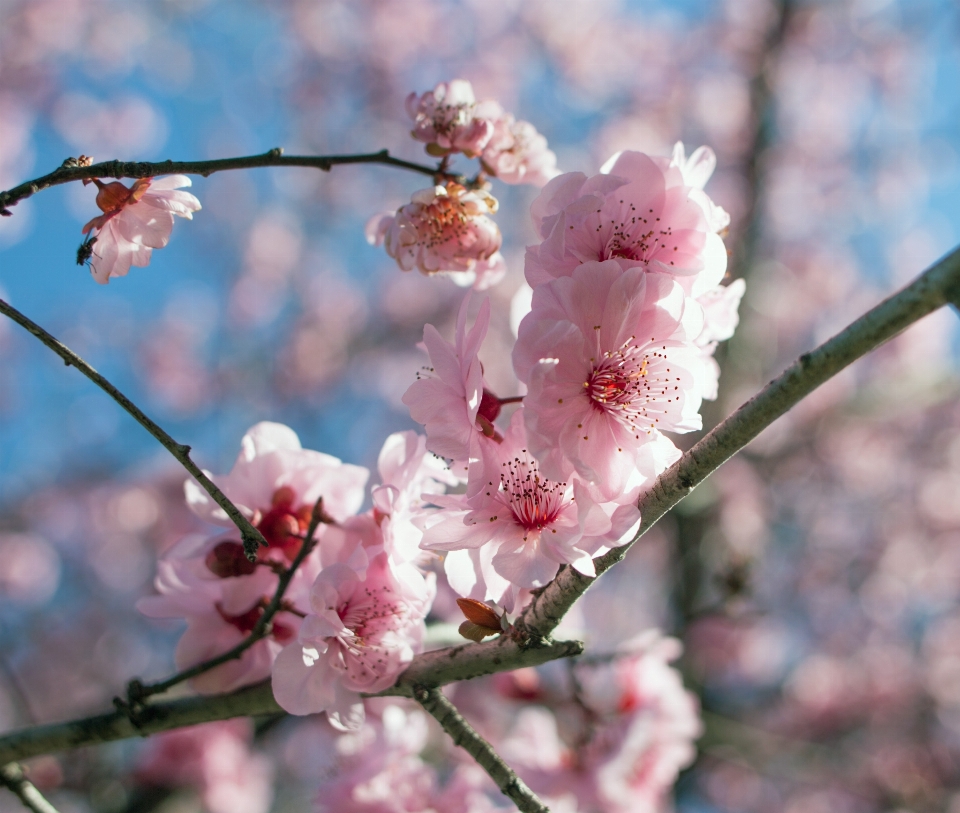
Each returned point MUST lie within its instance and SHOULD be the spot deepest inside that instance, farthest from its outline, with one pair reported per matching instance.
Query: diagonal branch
(70, 171)
(464, 735)
(12, 776)
(251, 537)
(937, 286)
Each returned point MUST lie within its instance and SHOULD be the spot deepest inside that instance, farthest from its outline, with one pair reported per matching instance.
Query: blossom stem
(514, 399)
(933, 289)
(137, 692)
(12, 776)
(68, 172)
(251, 537)
(464, 735)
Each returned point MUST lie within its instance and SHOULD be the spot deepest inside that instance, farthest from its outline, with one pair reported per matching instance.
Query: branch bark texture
(464, 735)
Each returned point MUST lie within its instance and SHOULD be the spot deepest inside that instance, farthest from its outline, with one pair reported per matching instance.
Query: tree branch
(935, 287)
(251, 537)
(12, 776)
(137, 692)
(431, 669)
(69, 172)
(464, 735)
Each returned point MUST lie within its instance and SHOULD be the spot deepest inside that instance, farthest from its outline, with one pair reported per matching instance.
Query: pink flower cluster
(352, 616)
(447, 228)
(626, 310)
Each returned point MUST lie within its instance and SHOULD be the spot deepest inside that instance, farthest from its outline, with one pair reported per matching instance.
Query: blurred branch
(137, 692)
(69, 172)
(464, 735)
(12, 776)
(252, 538)
(431, 669)
(937, 286)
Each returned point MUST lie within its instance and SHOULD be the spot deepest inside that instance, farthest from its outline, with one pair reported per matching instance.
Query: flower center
(634, 237)
(283, 526)
(534, 501)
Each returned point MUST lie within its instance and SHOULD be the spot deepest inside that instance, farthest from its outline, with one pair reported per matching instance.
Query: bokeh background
(814, 580)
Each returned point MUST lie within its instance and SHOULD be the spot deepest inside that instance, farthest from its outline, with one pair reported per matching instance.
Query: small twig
(137, 692)
(143, 169)
(251, 537)
(464, 735)
(12, 776)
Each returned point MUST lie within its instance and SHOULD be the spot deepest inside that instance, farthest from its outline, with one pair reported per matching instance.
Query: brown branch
(251, 537)
(464, 735)
(68, 172)
(13, 778)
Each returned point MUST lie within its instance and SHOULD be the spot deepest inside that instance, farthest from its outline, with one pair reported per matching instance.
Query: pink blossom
(446, 119)
(609, 360)
(451, 401)
(409, 475)
(276, 482)
(209, 583)
(720, 319)
(444, 229)
(524, 524)
(215, 758)
(359, 635)
(696, 171)
(516, 153)
(135, 221)
(638, 212)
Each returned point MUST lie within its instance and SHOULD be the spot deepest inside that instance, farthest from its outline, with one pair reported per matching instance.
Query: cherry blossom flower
(135, 220)
(524, 524)
(409, 476)
(516, 152)
(720, 319)
(696, 171)
(444, 229)
(211, 584)
(609, 360)
(638, 212)
(275, 482)
(215, 758)
(452, 401)
(446, 119)
(359, 635)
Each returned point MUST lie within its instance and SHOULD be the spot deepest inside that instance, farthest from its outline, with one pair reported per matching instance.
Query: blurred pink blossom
(516, 153)
(135, 221)
(360, 635)
(446, 119)
(720, 319)
(444, 229)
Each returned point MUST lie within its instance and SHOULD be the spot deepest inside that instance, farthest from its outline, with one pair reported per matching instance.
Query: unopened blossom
(525, 524)
(445, 228)
(360, 633)
(516, 152)
(450, 399)
(446, 119)
(720, 319)
(638, 212)
(609, 360)
(135, 220)
(213, 758)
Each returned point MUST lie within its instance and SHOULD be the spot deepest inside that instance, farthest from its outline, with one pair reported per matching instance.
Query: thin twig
(464, 735)
(251, 537)
(12, 776)
(145, 169)
(137, 692)
(937, 286)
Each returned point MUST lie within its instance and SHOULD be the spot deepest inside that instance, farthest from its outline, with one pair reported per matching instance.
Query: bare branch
(137, 692)
(251, 537)
(143, 169)
(12, 776)
(937, 286)
(464, 735)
